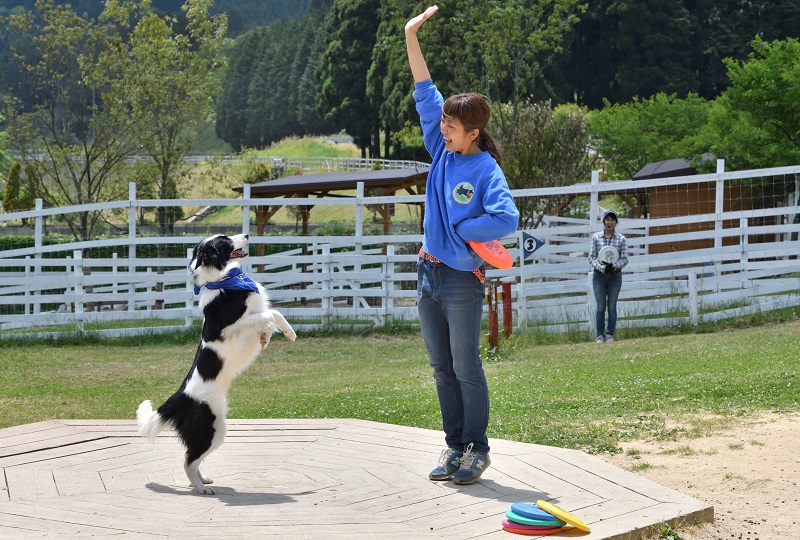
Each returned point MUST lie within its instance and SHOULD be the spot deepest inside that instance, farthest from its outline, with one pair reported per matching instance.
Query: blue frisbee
(531, 511)
(516, 518)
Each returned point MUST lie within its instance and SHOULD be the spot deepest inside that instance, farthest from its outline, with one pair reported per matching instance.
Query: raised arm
(419, 69)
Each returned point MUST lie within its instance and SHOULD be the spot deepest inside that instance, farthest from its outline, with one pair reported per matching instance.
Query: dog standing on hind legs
(237, 324)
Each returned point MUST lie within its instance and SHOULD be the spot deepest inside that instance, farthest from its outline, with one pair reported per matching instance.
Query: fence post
(719, 207)
(522, 297)
(694, 313)
(28, 286)
(388, 285)
(327, 293)
(592, 305)
(189, 291)
(743, 243)
(359, 234)
(78, 289)
(115, 274)
(246, 210)
(132, 244)
(38, 228)
(594, 199)
(359, 246)
(149, 288)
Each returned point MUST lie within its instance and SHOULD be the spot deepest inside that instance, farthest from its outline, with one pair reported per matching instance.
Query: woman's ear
(474, 134)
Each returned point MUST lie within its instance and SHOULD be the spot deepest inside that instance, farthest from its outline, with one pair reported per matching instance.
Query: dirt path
(750, 474)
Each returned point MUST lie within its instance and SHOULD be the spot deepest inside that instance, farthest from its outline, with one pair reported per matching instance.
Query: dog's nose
(247, 236)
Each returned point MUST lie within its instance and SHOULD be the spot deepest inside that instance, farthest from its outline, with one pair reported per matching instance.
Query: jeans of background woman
(606, 291)
(450, 305)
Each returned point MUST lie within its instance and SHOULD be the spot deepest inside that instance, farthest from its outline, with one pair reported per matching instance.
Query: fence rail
(115, 286)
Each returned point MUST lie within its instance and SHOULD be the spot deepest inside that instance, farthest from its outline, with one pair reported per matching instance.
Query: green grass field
(578, 395)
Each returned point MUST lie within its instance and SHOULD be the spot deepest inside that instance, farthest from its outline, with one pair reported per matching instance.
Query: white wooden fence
(359, 279)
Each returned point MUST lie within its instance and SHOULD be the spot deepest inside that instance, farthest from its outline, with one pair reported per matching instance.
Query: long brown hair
(472, 111)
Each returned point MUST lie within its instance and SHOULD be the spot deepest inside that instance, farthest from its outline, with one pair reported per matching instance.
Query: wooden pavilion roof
(380, 182)
(387, 180)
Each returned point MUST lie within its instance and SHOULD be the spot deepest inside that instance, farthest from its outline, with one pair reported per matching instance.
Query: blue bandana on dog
(235, 280)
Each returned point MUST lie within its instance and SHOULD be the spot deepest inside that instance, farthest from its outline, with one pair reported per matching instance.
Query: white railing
(360, 279)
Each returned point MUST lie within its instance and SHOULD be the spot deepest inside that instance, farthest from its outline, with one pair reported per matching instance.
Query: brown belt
(430, 258)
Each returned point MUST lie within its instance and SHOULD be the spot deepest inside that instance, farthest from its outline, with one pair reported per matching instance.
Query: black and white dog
(237, 324)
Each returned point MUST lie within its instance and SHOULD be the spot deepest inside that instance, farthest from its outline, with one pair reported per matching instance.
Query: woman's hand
(415, 59)
(413, 25)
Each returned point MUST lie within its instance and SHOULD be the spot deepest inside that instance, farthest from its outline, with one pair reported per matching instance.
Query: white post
(594, 210)
(359, 245)
(743, 243)
(132, 244)
(719, 207)
(694, 313)
(132, 222)
(594, 216)
(149, 288)
(388, 284)
(327, 293)
(38, 228)
(114, 272)
(592, 306)
(522, 298)
(245, 210)
(28, 287)
(78, 289)
(189, 291)
(359, 236)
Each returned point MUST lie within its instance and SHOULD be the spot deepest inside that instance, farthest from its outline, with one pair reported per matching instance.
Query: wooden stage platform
(292, 479)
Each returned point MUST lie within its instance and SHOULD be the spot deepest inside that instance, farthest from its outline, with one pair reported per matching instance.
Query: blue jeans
(606, 291)
(450, 305)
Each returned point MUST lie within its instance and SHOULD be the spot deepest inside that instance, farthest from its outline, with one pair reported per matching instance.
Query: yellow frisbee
(563, 515)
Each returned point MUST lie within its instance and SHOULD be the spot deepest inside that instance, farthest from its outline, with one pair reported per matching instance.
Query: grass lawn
(579, 395)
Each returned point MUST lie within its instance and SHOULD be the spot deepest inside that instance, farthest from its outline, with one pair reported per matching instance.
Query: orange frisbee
(493, 252)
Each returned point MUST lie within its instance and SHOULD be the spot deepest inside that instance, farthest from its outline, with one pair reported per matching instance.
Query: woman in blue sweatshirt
(466, 198)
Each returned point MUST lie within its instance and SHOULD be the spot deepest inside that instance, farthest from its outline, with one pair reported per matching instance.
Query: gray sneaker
(600, 339)
(609, 338)
(449, 463)
(472, 466)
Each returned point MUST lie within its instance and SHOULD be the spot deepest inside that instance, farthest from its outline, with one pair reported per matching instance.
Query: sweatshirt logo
(463, 193)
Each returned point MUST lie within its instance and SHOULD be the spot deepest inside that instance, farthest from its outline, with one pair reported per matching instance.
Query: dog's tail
(150, 422)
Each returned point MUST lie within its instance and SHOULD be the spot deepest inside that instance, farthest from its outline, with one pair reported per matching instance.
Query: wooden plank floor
(293, 479)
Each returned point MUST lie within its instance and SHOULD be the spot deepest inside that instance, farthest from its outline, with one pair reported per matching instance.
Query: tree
(351, 28)
(495, 47)
(72, 139)
(169, 84)
(757, 121)
(269, 91)
(516, 39)
(544, 147)
(627, 48)
(631, 135)
(232, 113)
(15, 197)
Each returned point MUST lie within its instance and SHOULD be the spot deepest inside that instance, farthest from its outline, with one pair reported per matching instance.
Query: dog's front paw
(206, 479)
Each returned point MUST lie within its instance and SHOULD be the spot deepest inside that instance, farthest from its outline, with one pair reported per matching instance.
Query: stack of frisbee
(540, 519)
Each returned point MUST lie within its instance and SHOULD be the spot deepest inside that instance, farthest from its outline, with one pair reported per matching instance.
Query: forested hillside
(626, 48)
(574, 86)
(242, 14)
(614, 50)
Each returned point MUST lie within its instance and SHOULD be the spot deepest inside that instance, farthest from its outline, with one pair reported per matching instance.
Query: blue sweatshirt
(466, 196)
